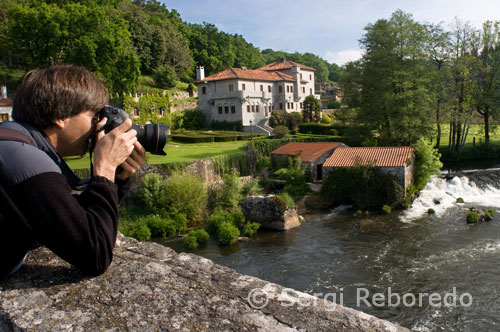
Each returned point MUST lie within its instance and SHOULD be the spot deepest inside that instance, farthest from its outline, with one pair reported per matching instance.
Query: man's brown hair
(57, 92)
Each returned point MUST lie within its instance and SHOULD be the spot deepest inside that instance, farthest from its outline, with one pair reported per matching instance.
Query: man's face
(77, 133)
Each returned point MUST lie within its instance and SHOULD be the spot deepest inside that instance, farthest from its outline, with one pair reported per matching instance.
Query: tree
(93, 36)
(395, 82)
(463, 43)
(311, 111)
(487, 76)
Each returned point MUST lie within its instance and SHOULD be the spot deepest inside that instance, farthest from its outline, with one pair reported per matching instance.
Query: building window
(287, 88)
(303, 89)
(257, 108)
(300, 75)
(4, 117)
(220, 109)
(268, 88)
(253, 108)
(281, 106)
(248, 108)
(136, 112)
(291, 88)
(291, 106)
(204, 90)
(261, 87)
(233, 109)
(310, 91)
(160, 112)
(310, 77)
(301, 106)
(272, 107)
(280, 89)
(230, 87)
(226, 109)
(243, 87)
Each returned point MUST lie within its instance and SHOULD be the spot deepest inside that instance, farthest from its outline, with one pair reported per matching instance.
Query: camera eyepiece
(152, 137)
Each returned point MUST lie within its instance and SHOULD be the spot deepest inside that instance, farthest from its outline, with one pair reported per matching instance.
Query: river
(410, 252)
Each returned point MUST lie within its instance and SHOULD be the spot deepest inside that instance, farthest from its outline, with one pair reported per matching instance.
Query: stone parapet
(149, 287)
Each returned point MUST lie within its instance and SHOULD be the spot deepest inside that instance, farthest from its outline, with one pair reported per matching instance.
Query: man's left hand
(133, 163)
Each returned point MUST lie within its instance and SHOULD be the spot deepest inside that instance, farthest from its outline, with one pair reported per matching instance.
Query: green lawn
(175, 154)
(475, 131)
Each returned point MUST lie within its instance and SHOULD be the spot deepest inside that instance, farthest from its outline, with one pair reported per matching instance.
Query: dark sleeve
(81, 230)
(124, 187)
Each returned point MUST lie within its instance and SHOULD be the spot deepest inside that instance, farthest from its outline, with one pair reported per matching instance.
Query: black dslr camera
(151, 136)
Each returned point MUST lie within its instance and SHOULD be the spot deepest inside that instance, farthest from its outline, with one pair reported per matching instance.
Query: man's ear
(60, 123)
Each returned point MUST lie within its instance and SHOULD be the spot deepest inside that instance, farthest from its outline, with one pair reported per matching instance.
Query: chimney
(200, 73)
(3, 92)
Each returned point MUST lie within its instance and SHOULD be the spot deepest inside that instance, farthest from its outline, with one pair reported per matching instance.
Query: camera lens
(152, 137)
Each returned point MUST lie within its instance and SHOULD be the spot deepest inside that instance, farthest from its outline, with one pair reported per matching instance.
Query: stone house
(312, 155)
(398, 161)
(5, 105)
(249, 96)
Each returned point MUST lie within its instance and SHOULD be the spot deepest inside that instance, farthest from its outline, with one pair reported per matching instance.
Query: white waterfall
(441, 194)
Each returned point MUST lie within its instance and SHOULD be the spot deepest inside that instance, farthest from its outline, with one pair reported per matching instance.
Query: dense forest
(120, 40)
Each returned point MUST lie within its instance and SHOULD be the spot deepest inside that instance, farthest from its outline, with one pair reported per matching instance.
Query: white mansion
(240, 94)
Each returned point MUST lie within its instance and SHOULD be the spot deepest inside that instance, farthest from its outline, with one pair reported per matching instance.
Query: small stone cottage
(312, 155)
(398, 161)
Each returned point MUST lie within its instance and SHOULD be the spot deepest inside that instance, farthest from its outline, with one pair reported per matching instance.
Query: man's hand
(134, 162)
(113, 149)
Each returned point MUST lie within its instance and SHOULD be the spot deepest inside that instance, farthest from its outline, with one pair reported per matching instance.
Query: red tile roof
(6, 102)
(380, 156)
(250, 74)
(308, 151)
(284, 64)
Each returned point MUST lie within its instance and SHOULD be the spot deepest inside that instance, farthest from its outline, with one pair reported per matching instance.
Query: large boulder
(270, 211)
(149, 287)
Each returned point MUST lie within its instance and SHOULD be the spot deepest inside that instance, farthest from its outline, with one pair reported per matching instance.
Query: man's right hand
(113, 148)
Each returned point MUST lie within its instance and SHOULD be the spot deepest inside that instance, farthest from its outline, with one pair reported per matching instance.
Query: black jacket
(37, 204)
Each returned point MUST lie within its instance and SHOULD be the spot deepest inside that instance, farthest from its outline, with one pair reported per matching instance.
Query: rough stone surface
(149, 287)
(270, 211)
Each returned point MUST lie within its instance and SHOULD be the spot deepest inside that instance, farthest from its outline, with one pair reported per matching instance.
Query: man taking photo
(55, 112)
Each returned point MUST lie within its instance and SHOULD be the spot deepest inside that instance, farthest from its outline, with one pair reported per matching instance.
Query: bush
(294, 174)
(431, 211)
(334, 104)
(165, 77)
(140, 232)
(196, 238)
(160, 227)
(460, 200)
(193, 119)
(231, 192)
(250, 228)
(489, 214)
(227, 233)
(186, 194)
(280, 132)
(427, 163)
(363, 185)
(287, 199)
(225, 125)
(252, 187)
(151, 192)
(473, 217)
(387, 209)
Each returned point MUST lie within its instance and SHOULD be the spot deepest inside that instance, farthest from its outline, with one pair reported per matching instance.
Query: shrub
(196, 238)
(231, 191)
(363, 185)
(158, 226)
(252, 187)
(386, 209)
(185, 193)
(193, 119)
(140, 231)
(431, 211)
(227, 233)
(287, 199)
(427, 163)
(473, 217)
(151, 191)
(460, 200)
(295, 178)
(250, 228)
(280, 132)
(165, 77)
(489, 213)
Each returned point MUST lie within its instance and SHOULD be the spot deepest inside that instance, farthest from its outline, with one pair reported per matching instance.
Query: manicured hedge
(193, 139)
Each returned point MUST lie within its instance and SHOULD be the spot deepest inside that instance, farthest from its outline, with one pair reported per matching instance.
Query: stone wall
(149, 287)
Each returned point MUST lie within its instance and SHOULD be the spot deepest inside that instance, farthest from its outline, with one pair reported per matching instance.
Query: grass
(175, 154)
(475, 131)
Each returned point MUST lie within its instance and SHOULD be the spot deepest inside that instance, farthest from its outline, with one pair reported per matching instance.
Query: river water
(407, 254)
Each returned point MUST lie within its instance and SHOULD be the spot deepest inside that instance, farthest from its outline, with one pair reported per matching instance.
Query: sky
(330, 29)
